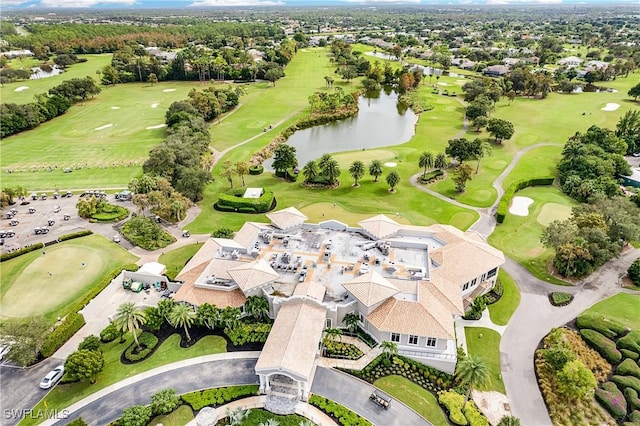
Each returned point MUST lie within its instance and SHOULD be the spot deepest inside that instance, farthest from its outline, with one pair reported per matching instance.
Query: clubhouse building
(406, 284)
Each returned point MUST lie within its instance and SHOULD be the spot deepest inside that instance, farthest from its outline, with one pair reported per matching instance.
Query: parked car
(116, 238)
(52, 377)
(14, 222)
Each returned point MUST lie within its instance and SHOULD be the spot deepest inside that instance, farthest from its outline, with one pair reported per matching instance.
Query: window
(473, 282)
(465, 286)
(395, 337)
(492, 273)
(328, 323)
(413, 340)
(431, 341)
(361, 317)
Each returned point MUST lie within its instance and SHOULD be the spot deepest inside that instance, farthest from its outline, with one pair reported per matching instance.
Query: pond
(381, 121)
(38, 72)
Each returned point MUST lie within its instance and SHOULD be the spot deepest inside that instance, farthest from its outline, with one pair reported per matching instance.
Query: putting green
(40, 284)
(553, 211)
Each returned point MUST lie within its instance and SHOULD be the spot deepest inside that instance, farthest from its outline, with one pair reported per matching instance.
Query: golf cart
(186, 233)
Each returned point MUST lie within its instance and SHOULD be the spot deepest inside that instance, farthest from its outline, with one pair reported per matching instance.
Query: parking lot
(46, 210)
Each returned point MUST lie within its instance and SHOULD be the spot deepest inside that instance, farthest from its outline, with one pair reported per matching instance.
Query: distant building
(570, 61)
(596, 64)
(15, 53)
(496, 70)
(634, 179)
(463, 63)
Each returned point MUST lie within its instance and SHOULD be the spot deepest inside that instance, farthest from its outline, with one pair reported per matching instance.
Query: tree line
(16, 118)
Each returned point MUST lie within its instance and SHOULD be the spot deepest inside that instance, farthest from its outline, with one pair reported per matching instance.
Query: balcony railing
(425, 354)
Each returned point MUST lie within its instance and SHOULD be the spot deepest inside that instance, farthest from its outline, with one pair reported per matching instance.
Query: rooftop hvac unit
(211, 279)
(235, 254)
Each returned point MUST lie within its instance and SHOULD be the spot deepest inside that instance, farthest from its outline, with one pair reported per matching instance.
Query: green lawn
(519, 236)
(175, 260)
(27, 289)
(622, 307)
(8, 92)
(420, 400)
(114, 371)
(180, 417)
(485, 343)
(501, 311)
(109, 156)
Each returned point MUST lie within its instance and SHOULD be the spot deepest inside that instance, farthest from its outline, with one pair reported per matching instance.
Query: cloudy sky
(12, 4)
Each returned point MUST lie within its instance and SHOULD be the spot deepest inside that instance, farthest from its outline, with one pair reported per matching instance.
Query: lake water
(40, 73)
(381, 121)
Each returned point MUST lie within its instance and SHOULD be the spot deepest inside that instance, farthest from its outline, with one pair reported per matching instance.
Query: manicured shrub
(631, 341)
(453, 403)
(233, 199)
(256, 170)
(342, 414)
(77, 422)
(341, 350)
(626, 353)
(218, 396)
(634, 417)
(631, 395)
(154, 318)
(109, 333)
(59, 336)
(164, 401)
(431, 176)
(602, 345)
(248, 332)
(292, 176)
(28, 249)
(503, 205)
(136, 415)
(90, 343)
(75, 235)
(626, 382)
(474, 416)
(628, 368)
(634, 272)
(560, 298)
(147, 341)
(610, 397)
(607, 327)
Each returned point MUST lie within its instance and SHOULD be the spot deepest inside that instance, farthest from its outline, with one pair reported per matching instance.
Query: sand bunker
(115, 107)
(21, 88)
(169, 90)
(106, 126)
(520, 206)
(462, 82)
(159, 126)
(610, 107)
(442, 83)
(154, 105)
(390, 164)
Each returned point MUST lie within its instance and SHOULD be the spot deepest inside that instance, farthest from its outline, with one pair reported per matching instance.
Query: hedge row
(431, 176)
(631, 341)
(256, 170)
(218, 396)
(627, 382)
(248, 332)
(474, 416)
(75, 235)
(503, 205)
(292, 176)
(233, 200)
(628, 368)
(24, 250)
(58, 337)
(453, 403)
(610, 397)
(147, 341)
(606, 327)
(604, 346)
(342, 414)
(631, 395)
(629, 354)
(109, 333)
(116, 214)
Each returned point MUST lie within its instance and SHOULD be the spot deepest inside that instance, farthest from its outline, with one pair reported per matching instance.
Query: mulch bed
(196, 332)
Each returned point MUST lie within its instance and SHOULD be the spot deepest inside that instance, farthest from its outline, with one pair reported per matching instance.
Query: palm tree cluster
(428, 161)
(325, 171)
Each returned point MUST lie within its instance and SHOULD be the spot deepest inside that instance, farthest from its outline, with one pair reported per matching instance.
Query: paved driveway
(354, 394)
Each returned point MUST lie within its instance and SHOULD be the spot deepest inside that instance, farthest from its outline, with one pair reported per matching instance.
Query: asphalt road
(19, 388)
(185, 379)
(354, 394)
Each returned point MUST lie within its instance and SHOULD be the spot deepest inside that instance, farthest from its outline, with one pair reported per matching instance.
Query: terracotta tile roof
(380, 226)
(287, 218)
(293, 341)
(370, 288)
(248, 233)
(410, 317)
(192, 274)
(447, 293)
(220, 267)
(253, 274)
(310, 289)
(220, 298)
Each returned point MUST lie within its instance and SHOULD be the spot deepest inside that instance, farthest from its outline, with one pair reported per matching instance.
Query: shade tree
(500, 129)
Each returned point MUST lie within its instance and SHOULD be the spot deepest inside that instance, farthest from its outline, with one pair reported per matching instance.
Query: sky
(173, 4)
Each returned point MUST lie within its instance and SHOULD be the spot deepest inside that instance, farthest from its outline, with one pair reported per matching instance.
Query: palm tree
(351, 321)
(229, 317)
(375, 169)
(356, 171)
(331, 171)
(130, 317)
(485, 151)
(472, 372)
(242, 168)
(389, 349)
(177, 210)
(393, 178)
(237, 416)
(208, 315)
(333, 334)
(440, 161)
(425, 161)
(182, 315)
(310, 171)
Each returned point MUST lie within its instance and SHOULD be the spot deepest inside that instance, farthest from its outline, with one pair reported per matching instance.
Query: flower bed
(341, 350)
(559, 298)
(218, 396)
(339, 413)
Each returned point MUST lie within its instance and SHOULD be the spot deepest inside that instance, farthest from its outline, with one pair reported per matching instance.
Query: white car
(116, 238)
(52, 377)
